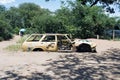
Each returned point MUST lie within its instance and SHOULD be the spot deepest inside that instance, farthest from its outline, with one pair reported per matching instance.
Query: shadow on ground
(33, 76)
(82, 66)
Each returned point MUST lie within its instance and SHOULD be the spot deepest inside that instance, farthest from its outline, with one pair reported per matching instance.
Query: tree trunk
(113, 34)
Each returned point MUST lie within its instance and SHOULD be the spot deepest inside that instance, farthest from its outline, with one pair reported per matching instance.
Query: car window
(34, 38)
(62, 37)
(49, 38)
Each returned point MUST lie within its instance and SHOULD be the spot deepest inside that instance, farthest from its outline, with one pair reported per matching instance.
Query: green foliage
(16, 30)
(2, 9)
(17, 46)
(22, 39)
(13, 47)
(1, 39)
(13, 16)
(27, 12)
(106, 4)
(86, 21)
(48, 24)
(76, 18)
(5, 30)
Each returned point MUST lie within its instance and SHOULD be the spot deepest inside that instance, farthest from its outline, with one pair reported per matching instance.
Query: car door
(49, 42)
(63, 43)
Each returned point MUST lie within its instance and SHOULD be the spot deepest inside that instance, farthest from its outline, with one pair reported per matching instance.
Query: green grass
(17, 46)
(22, 39)
(117, 39)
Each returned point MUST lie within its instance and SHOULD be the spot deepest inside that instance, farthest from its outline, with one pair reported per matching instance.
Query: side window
(49, 38)
(35, 38)
(61, 37)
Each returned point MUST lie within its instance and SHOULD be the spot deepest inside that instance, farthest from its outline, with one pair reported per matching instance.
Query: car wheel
(84, 48)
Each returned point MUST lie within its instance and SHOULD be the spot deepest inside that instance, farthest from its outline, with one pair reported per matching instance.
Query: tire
(84, 48)
(94, 50)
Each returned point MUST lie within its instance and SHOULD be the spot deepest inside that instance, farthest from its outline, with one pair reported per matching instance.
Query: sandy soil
(103, 65)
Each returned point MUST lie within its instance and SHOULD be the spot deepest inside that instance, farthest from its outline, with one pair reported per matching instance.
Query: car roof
(50, 34)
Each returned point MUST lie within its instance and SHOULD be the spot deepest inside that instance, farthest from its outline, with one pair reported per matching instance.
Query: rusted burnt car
(57, 42)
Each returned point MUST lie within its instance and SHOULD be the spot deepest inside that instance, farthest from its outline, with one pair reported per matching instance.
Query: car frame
(56, 42)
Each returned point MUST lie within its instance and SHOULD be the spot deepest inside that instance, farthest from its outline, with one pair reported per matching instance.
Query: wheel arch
(37, 49)
(84, 47)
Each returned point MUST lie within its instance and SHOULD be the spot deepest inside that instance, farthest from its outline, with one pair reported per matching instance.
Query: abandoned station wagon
(56, 42)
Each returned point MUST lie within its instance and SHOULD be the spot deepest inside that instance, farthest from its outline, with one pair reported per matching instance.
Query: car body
(83, 45)
(54, 42)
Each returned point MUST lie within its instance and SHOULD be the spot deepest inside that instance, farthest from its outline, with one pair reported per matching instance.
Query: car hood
(85, 41)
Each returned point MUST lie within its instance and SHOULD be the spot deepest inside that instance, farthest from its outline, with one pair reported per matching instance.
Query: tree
(48, 24)
(14, 18)
(5, 29)
(84, 21)
(2, 8)
(28, 11)
(104, 3)
(66, 17)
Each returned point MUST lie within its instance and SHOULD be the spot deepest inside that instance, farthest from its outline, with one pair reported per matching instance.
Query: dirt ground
(103, 65)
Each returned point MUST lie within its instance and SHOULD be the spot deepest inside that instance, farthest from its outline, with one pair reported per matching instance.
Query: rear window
(34, 38)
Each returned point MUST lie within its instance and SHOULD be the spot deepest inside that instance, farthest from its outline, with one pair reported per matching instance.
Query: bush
(5, 31)
(1, 38)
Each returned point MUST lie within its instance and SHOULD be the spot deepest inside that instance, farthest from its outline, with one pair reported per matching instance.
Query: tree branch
(94, 3)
